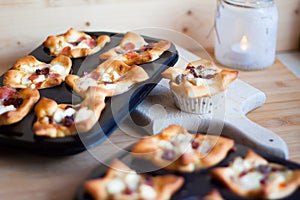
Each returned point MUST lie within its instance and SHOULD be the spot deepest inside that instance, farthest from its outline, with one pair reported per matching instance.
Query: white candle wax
(241, 53)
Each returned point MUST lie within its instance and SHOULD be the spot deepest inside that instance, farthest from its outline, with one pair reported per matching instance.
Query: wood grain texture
(26, 24)
(281, 112)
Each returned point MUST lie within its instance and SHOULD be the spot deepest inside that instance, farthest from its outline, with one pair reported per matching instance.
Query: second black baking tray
(196, 185)
(19, 136)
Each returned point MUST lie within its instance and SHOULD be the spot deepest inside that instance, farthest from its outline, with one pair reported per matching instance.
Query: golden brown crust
(24, 74)
(213, 195)
(276, 183)
(85, 116)
(193, 87)
(30, 97)
(66, 44)
(165, 185)
(191, 151)
(138, 52)
(113, 76)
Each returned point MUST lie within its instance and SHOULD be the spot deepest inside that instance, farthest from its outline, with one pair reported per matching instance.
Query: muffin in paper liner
(199, 87)
(200, 105)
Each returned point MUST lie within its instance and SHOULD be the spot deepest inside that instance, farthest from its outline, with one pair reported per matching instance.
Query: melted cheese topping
(83, 114)
(4, 109)
(115, 186)
(182, 143)
(59, 69)
(110, 76)
(133, 182)
(29, 70)
(251, 180)
(40, 78)
(82, 44)
(147, 192)
(84, 82)
(248, 176)
(60, 114)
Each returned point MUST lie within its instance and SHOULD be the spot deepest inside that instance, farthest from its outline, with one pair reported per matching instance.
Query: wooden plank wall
(26, 23)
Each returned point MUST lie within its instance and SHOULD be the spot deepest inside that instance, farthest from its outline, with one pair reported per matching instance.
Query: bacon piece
(118, 51)
(146, 47)
(66, 50)
(91, 42)
(131, 54)
(78, 41)
(128, 46)
(33, 77)
(54, 75)
(38, 85)
(94, 75)
(6, 92)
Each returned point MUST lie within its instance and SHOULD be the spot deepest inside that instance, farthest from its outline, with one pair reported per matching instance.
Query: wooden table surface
(28, 176)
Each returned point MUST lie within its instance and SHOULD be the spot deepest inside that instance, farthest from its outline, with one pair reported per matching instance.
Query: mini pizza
(255, 177)
(177, 150)
(115, 77)
(134, 50)
(28, 72)
(75, 44)
(122, 183)
(200, 78)
(60, 120)
(16, 104)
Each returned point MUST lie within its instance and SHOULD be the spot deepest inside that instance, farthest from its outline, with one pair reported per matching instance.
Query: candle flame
(244, 43)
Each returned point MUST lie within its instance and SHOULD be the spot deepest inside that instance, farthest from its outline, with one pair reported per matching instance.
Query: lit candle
(246, 33)
(240, 52)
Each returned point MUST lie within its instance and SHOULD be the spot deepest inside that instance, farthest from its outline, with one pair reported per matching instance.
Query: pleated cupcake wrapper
(201, 105)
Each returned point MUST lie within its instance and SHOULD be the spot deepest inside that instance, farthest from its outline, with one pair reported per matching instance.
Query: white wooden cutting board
(158, 111)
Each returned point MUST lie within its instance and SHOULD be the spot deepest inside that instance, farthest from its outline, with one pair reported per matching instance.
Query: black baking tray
(196, 184)
(19, 136)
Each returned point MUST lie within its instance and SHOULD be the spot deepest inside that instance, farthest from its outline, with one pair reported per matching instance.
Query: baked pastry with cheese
(113, 76)
(200, 86)
(123, 183)
(255, 177)
(16, 104)
(60, 120)
(75, 44)
(134, 50)
(178, 150)
(29, 72)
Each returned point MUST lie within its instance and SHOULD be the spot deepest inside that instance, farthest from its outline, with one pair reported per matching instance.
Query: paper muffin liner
(201, 105)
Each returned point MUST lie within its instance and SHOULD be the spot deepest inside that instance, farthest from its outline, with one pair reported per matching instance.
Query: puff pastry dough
(123, 183)
(253, 176)
(28, 72)
(16, 104)
(113, 76)
(75, 44)
(200, 78)
(177, 150)
(134, 50)
(60, 120)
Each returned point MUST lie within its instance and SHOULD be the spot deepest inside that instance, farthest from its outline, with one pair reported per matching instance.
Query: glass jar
(246, 33)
